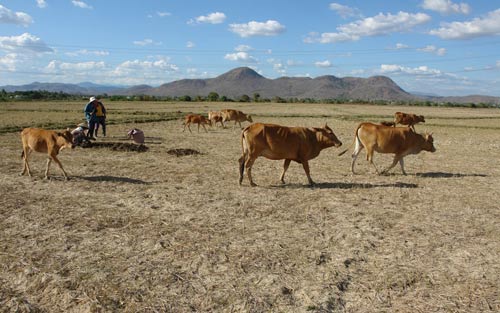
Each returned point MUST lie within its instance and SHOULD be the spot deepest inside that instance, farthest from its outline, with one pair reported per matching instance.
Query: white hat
(92, 99)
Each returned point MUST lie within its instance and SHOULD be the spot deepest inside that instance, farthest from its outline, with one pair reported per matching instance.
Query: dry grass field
(155, 232)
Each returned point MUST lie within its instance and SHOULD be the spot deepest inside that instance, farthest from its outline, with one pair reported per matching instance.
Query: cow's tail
(244, 149)
(22, 154)
(353, 142)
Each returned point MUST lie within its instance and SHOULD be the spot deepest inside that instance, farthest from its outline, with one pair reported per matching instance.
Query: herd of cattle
(275, 142)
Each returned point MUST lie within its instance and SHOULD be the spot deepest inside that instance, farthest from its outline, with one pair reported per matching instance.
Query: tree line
(43, 95)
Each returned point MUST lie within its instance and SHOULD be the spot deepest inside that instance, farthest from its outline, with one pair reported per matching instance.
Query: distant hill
(245, 81)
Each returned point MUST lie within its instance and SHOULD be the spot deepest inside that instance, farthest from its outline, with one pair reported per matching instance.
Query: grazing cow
(195, 119)
(276, 142)
(236, 116)
(408, 119)
(401, 141)
(45, 141)
(215, 117)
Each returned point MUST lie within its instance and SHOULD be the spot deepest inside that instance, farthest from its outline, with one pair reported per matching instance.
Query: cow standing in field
(408, 119)
(401, 141)
(236, 116)
(45, 141)
(215, 117)
(277, 142)
(196, 119)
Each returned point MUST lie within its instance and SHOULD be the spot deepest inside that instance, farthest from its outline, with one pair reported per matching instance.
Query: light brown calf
(408, 119)
(45, 141)
(196, 119)
(401, 141)
(215, 117)
(236, 116)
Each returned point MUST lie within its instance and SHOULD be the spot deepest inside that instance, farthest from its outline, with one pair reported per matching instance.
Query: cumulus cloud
(190, 44)
(212, 18)
(24, 43)
(344, 11)
(162, 64)
(253, 28)
(9, 61)
(433, 49)
(41, 4)
(163, 14)
(488, 25)
(18, 18)
(241, 56)
(243, 48)
(381, 24)
(446, 6)
(401, 46)
(323, 64)
(81, 4)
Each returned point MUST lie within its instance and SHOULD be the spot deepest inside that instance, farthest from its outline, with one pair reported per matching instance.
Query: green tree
(213, 96)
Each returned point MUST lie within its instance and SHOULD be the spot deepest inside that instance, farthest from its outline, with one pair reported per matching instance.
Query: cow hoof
(253, 184)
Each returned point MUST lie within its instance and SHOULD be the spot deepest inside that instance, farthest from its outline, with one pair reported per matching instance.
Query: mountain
(243, 80)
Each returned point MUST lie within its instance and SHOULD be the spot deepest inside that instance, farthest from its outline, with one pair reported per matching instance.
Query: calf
(236, 116)
(45, 141)
(408, 119)
(215, 117)
(277, 142)
(196, 119)
(401, 141)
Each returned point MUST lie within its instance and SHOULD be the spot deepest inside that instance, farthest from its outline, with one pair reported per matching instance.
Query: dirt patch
(116, 146)
(183, 152)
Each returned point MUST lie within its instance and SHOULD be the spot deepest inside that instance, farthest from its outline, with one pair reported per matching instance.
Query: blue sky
(443, 47)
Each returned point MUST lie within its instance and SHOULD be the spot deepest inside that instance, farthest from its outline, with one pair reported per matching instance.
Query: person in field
(91, 117)
(100, 113)
(79, 136)
(136, 135)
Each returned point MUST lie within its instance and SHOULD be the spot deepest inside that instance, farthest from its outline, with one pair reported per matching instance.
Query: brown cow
(401, 141)
(195, 119)
(277, 142)
(408, 119)
(45, 141)
(215, 117)
(236, 116)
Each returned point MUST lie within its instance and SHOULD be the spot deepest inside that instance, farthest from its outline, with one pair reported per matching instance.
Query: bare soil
(169, 229)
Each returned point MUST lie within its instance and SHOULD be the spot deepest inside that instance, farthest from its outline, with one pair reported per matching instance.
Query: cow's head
(327, 137)
(428, 143)
(65, 139)
(249, 118)
(421, 118)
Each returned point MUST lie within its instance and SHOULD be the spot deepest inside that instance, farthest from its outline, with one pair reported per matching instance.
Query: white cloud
(446, 6)
(24, 43)
(88, 52)
(398, 69)
(381, 24)
(162, 64)
(344, 11)
(81, 4)
(269, 28)
(57, 66)
(163, 14)
(190, 44)
(433, 49)
(146, 42)
(18, 18)
(41, 4)
(243, 48)
(9, 61)
(324, 64)
(401, 46)
(489, 25)
(212, 18)
(240, 56)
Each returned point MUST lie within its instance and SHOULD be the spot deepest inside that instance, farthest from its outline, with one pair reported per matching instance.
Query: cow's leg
(305, 165)
(285, 167)
(189, 127)
(357, 149)
(204, 128)
(369, 157)
(47, 169)
(199, 127)
(26, 166)
(184, 129)
(402, 164)
(54, 157)
(397, 158)
(242, 166)
(248, 165)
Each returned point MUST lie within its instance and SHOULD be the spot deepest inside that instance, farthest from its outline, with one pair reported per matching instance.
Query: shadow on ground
(113, 179)
(447, 175)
